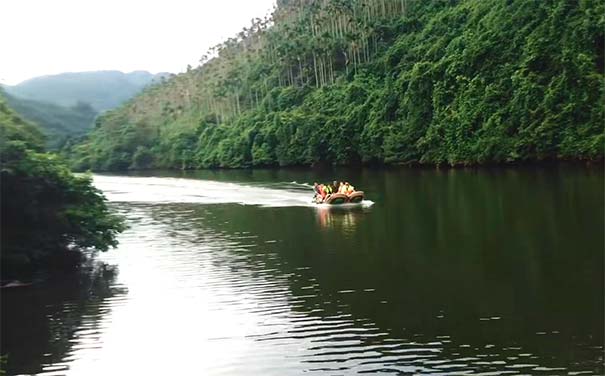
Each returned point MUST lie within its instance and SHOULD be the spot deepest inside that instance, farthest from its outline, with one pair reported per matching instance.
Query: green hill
(56, 122)
(376, 81)
(13, 128)
(103, 90)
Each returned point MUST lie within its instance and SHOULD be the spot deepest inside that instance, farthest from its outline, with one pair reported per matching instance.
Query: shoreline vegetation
(365, 82)
(587, 163)
(50, 217)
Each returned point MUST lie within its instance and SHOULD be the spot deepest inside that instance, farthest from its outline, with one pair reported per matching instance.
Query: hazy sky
(42, 37)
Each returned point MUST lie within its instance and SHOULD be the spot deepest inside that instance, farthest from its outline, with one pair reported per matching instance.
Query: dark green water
(232, 272)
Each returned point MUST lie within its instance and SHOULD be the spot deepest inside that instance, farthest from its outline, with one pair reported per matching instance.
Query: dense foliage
(58, 123)
(46, 210)
(387, 81)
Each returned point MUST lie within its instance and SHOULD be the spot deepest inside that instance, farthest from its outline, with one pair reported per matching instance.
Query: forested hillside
(56, 122)
(376, 81)
(103, 90)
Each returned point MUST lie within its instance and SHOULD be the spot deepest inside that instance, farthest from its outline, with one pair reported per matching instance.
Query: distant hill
(103, 90)
(58, 123)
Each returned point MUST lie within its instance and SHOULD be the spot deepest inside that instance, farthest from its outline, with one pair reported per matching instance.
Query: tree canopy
(46, 210)
(375, 81)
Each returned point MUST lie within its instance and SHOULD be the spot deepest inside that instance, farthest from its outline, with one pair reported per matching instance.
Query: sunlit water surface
(438, 272)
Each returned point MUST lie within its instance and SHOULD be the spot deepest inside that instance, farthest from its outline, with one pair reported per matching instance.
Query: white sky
(41, 37)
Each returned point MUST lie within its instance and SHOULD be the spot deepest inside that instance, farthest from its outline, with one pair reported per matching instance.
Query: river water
(441, 272)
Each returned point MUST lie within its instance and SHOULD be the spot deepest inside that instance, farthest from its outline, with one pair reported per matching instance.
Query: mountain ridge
(103, 89)
(57, 123)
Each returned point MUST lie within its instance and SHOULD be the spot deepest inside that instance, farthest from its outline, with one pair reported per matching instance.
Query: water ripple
(194, 297)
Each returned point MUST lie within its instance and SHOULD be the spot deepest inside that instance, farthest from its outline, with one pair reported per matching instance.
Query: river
(440, 272)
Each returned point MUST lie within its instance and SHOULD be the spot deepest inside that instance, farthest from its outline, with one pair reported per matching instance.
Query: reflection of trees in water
(40, 322)
(486, 259)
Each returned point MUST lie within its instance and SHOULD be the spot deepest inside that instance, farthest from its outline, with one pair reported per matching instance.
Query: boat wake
(179, 190)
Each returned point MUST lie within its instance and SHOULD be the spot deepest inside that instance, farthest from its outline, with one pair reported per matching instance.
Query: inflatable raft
(340, 198)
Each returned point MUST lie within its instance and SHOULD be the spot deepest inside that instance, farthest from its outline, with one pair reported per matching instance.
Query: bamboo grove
(374, 81)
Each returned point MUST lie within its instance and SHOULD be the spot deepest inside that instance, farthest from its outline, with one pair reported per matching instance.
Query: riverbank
(588, 163)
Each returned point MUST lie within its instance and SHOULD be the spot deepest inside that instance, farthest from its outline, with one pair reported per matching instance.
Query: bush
(47, 212)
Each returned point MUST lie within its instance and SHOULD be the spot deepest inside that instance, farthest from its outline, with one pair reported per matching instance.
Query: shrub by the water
(48, 213)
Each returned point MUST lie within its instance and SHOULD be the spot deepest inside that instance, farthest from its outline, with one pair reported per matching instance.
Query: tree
(378, 81)
(48, 213)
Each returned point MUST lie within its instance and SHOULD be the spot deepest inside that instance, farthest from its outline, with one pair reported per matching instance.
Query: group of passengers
(323, 191)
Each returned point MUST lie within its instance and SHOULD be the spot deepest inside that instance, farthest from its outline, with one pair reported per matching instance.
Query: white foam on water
(362, 204)
(179, 190)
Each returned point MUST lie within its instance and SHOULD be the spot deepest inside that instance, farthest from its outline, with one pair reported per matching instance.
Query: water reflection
(47, 323)
(505, 264)
(342, 219)
(471, 273)
(352, 307)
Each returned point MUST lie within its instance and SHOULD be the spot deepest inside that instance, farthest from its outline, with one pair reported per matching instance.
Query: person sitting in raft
(341, 188)
(324, 192)
(328, 190)
(349, 189)
(334, 186)
(316, 191)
